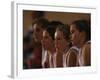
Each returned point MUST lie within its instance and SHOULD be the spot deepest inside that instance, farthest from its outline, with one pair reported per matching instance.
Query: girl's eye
(72, 32)
(58, 38)
(46, 37)
(37, 30)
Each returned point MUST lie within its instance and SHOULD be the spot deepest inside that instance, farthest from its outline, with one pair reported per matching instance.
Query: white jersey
(44, 57)
(66, 62)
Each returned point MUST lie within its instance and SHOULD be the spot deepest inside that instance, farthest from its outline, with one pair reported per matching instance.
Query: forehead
(35, 26)
(58, 33)
(45, 33)
(73, 27)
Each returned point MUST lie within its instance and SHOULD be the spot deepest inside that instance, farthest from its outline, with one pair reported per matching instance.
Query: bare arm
(72, 59)
(86, 54)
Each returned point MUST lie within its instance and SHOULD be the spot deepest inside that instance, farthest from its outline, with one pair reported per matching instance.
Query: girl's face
(47, 40)
(75, 35)
(60, 42)
(38, 31)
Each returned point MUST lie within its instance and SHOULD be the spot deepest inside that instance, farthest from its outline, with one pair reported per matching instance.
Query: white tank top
(72, 48)
(64, 57)
(44, 58)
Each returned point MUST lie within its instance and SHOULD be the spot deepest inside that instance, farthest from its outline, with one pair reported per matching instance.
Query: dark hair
(83, 25)
(29, 42)
(65, 29)
(43, 23)
(26, 38)
(38, 14)
(52, 28)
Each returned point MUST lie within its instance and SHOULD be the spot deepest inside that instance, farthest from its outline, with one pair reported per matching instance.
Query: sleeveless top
(76, 51)
(52, 60)
(65, 55)
(44, 58)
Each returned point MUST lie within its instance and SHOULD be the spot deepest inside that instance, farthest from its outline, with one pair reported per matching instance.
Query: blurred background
(65, 17)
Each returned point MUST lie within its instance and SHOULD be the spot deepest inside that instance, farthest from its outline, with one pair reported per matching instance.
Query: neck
(63, 51)
(52, 49)
(81, 44)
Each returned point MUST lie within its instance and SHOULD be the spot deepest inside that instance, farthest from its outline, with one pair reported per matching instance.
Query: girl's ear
(83, 36)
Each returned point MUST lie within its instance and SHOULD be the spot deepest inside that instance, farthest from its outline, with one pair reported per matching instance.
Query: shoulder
(73, 49)
(72, 53)
(86, 49)
(72, 57)
(86, 46)
(86, 53)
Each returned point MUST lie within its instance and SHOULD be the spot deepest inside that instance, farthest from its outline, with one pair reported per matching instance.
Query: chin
(45, 48)
(57, 49)
(73, 43)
